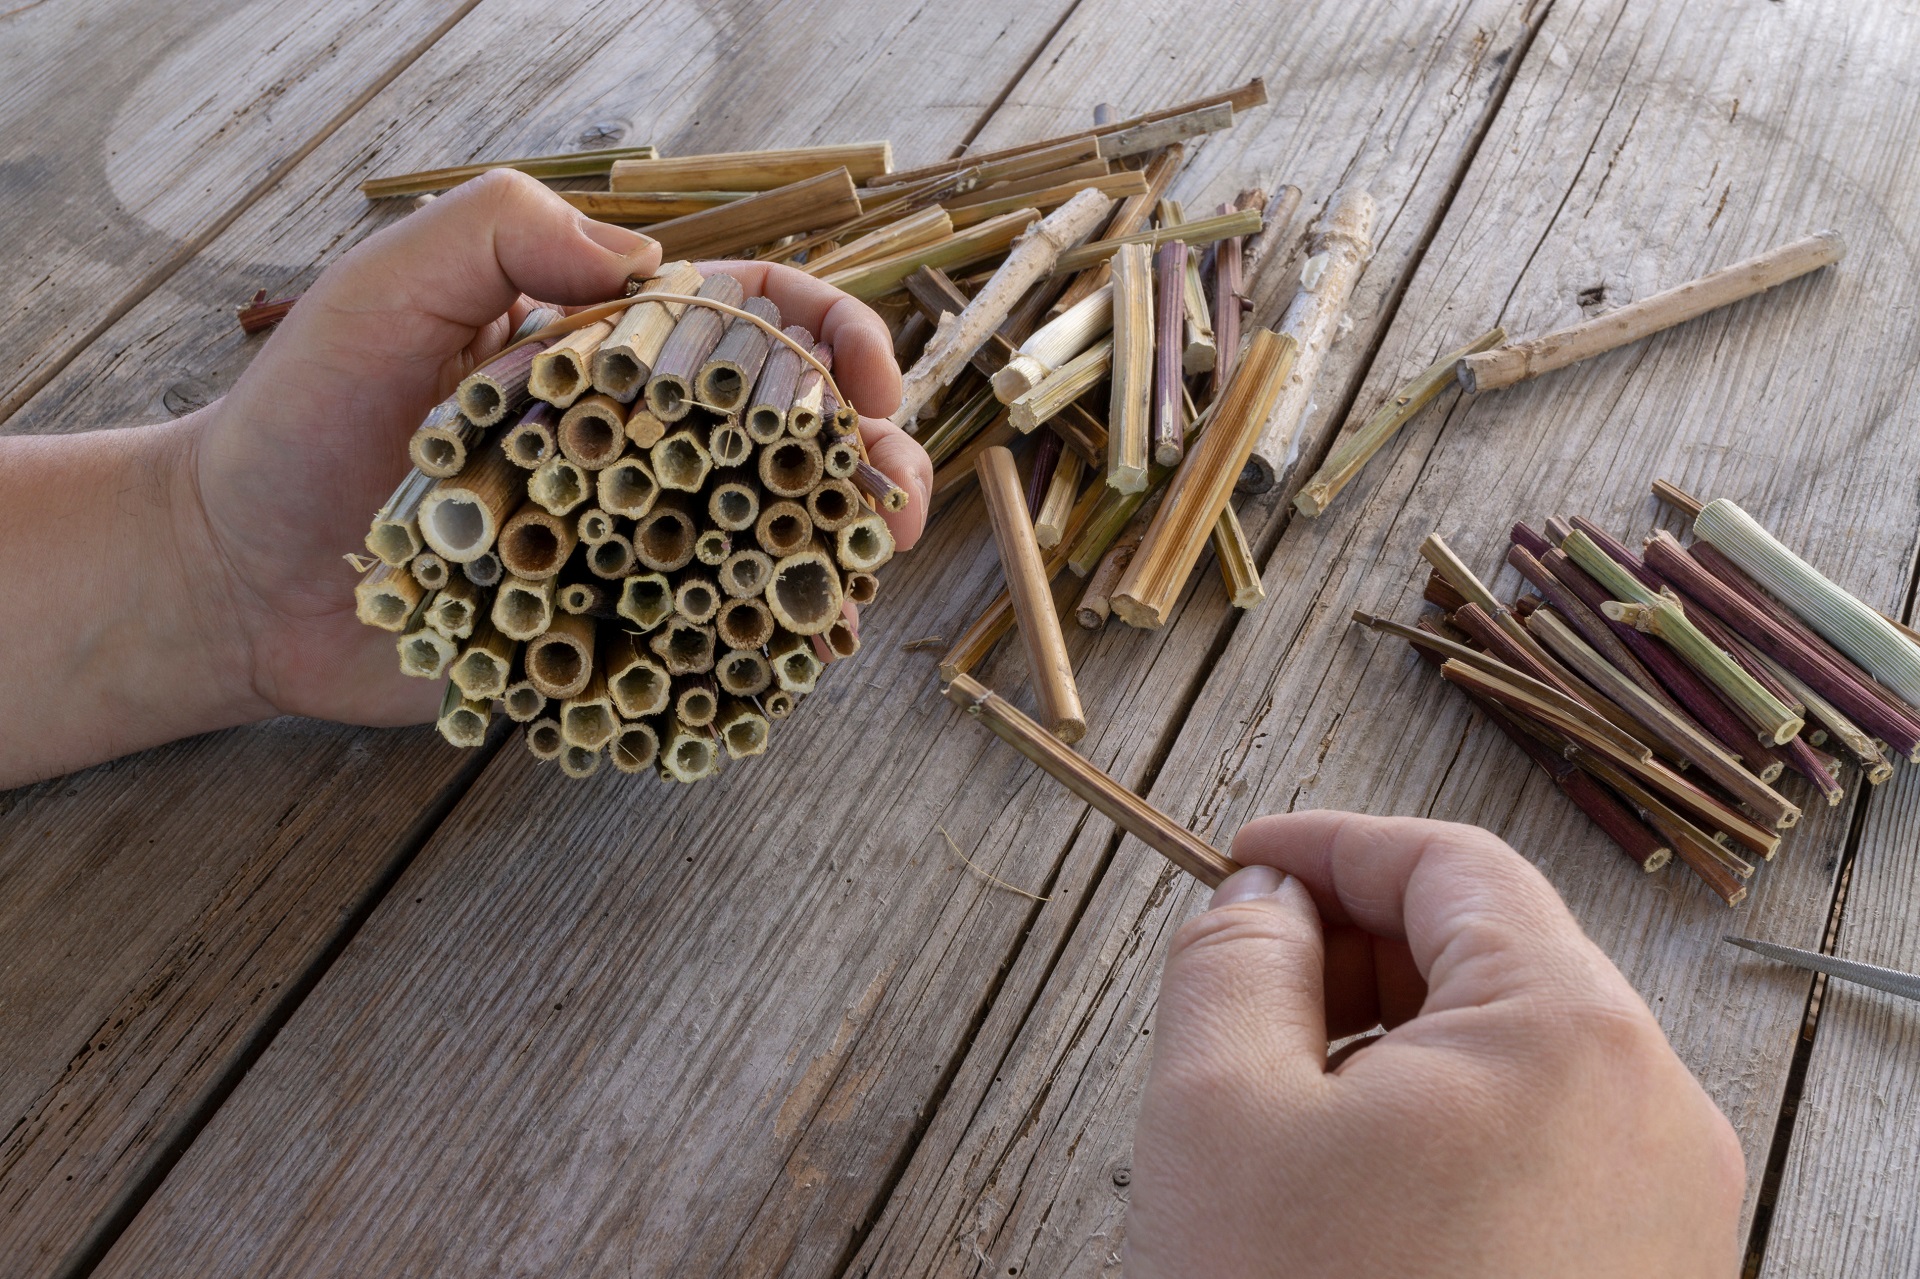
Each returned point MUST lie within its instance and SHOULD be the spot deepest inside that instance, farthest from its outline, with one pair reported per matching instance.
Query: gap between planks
(191, 249)
(115, 1220)
(1222, 637)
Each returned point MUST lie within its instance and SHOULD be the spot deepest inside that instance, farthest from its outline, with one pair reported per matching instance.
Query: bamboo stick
(1083, 170)
(638, 684)
(806, 594)
(531, 440)
(1199, 491)
(1168, 429)
(834, 504)
(685, 647)
(1229, 297)
(587, 720)
(424, 652)
(1241, 98)
(635, 747)
(1200, 231)
(759, 219)
(809, 397)
(987, 630)
(1131, 216)
(864, 545)
(1139, 139)
(439, 444)
(1518, 361)
(732, 369)
(523, 702)
(623, 363)
(663, 539)
(461, 516)
(558, 485)
(1054, 343)
(484, 570)
(1056, 505)
(394, 537)
(1856, 630)
(751, 170)
(388, 598)
(638, 208)
(463, 720)
(1032, 598)
(870, 280)
(915, 231)
(1115, 186)
(1237, 570)
(560, 660)
(696, 598)
(574, 164)
(1051, 395)
(543, 738)
(1341, 244)
(746, 572)
(627, 488)
(1678, 734)
(1130, 410)
(1663, 618)
(430, 570)
(1827, 672)
(670, 389)
(1127, 810)
(766, 415)
(580, 763)
(559, 373)
(742, 730)
(795, 665)
(696, 701)
(744, 672)
(1650, 773)
(498, 387)
(592, 433)
(862, 588)
(1698, 696)
(956, 338)
(1356, 447)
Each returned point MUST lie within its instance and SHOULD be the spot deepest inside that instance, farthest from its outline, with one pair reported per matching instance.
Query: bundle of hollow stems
(637, 529)
(1667, 692)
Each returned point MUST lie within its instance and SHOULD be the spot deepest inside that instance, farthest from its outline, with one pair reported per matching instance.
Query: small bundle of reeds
(1666, 692)
(637, 529)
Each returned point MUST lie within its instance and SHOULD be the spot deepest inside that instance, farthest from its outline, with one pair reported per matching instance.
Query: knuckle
(1227, 928)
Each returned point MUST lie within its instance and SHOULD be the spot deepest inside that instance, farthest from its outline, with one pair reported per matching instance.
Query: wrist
(196, 599)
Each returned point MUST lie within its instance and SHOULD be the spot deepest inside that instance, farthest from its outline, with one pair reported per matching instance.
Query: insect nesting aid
(637, 528)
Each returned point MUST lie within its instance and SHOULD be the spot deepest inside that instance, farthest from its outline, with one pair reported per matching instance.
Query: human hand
(1522, 1115)
(290, 466)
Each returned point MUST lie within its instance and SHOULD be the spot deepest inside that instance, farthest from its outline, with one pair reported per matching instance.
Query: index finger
(863, 364)
(1480, 921)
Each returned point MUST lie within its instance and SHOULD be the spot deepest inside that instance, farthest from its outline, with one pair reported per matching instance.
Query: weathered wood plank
(95, 1114)
(156, 920)
(754, 1017)
(1849, 1198)
(1620, 161)
(130, 134)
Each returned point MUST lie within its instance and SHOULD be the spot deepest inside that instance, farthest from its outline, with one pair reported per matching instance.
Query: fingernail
(1246, 884)
(616, 239)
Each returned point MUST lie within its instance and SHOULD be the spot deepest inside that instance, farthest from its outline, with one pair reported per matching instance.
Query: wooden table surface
(299, 999)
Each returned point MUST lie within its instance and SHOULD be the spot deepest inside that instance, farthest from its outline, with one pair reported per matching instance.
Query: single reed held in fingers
(603, 547)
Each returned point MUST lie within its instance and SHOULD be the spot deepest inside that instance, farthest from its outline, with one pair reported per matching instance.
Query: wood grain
(1849, 1199)
(755, 1017)
(113, 1133)
(130, 134)
(158, 921)
(1024, 1168)
(471, 97)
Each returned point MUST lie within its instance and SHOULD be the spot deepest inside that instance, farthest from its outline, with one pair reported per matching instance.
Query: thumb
(397, 307)
(1243, 991)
